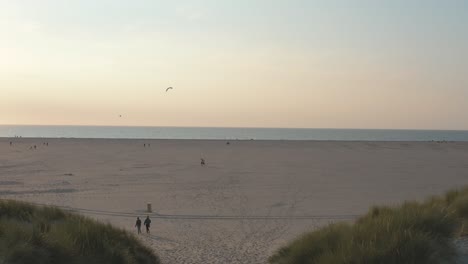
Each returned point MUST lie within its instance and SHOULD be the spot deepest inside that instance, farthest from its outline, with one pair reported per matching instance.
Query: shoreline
(237, 140)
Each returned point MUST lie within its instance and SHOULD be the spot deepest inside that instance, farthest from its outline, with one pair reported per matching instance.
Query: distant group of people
(147, 224)
(147, 145)
(35, 146)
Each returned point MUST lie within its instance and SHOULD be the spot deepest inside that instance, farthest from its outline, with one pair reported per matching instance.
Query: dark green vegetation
(415, 232)
(34, 234)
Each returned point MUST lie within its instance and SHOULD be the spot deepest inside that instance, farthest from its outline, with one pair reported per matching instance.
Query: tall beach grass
(37, 234)
(414, 232)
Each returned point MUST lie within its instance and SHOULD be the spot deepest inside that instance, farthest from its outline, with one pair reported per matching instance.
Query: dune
(41, 234)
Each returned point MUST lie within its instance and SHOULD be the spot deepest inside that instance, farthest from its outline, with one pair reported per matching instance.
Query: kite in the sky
(169, 88)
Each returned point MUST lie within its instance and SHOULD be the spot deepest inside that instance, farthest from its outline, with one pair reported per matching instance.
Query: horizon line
(243, 127)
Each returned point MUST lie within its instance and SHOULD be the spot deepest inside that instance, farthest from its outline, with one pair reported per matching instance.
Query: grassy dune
(33, 234)
(411, 233)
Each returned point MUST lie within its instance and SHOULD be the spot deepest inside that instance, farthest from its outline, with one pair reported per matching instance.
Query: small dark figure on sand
(147, 224)
(35, 147)
(228, 143)
(144, 145)
(138, 225)
(202, 162)
(11, 143)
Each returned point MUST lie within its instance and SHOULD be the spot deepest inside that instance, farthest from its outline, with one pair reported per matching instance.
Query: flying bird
(169, 88)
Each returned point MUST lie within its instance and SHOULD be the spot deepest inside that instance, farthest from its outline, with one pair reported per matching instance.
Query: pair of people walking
(147, 224)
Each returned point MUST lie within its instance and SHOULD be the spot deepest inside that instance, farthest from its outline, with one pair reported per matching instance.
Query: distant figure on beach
(227, 143)
(147, 224)
(138, 225)
(35, 147)
(149, 145)
(11, 143)
(202, 162)
(144, 145)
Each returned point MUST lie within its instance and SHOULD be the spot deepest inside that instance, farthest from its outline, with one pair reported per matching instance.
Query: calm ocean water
(230, 133)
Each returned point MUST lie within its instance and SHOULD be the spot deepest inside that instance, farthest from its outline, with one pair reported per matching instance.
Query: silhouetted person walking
(202, 162)
(147, 224)
(138, 225)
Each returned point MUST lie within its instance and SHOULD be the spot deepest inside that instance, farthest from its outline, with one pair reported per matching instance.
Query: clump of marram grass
(36, 234)
(411, 233)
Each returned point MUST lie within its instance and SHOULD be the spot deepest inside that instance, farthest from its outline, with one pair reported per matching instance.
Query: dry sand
(250, 198)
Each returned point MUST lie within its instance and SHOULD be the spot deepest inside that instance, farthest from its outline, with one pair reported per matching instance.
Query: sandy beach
(251, 197)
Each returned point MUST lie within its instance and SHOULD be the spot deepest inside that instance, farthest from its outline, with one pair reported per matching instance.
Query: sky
(247, 63)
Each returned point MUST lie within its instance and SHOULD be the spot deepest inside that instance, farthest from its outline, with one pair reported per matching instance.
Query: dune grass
(414, 232)
(36, 234)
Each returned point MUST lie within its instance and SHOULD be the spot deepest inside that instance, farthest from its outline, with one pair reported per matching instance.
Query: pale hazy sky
(248, 63)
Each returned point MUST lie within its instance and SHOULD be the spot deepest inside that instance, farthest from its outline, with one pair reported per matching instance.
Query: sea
(224, 133)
